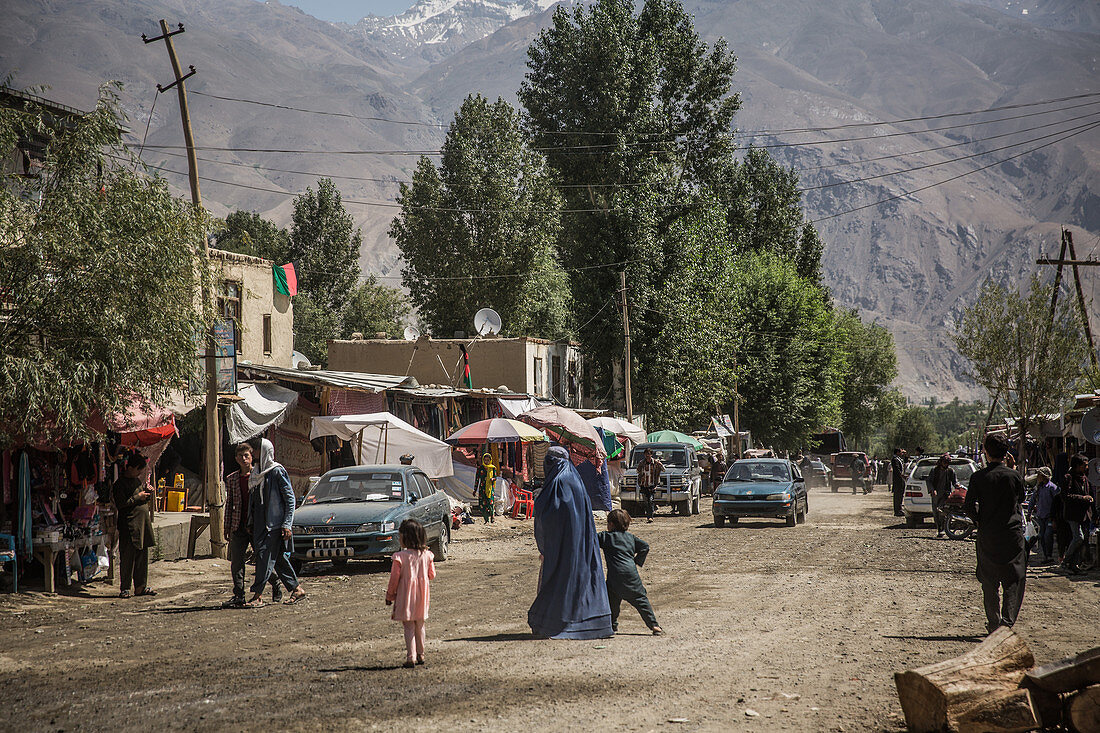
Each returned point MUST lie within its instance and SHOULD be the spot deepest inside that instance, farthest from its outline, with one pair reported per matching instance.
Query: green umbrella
(672, 436)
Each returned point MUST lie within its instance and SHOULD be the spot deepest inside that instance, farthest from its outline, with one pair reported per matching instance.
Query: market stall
(380, 438)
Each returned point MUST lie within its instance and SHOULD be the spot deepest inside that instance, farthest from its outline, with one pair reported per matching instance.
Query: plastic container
(175, 501)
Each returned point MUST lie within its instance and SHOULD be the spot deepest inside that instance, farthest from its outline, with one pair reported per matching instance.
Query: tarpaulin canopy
(261, 406)
(381, 437)
(584, 443)
(495, 430)
(622, 428)
(513, 408)
(140, 424)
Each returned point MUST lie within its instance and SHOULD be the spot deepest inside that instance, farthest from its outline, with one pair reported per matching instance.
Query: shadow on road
(190, 609)
(946, 637)
(372, 668)
(499, 637)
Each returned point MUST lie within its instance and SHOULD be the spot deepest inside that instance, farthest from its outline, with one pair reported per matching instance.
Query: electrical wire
(616, 148)
(794, 169)
(153, 106)
(755, 133)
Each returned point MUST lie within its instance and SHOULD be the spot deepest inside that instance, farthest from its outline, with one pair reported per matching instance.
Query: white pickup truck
(681, 482)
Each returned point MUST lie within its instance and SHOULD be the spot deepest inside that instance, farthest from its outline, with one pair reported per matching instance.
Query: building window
(229, 307)
(574, 382)
(267, 334)
(538, 377)
(556, 382)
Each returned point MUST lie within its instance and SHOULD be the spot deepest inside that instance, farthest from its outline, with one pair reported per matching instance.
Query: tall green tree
(324, 243)
(99, 278)
(1019, 352)
(374, 308)
(765, 213)
(788, 362)
(479, 230)
(634, 113)
(912, 431)
(870, 365)
(249, 233)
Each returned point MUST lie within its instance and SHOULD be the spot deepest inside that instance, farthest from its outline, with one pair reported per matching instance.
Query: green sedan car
(761, 487)
(355, 512)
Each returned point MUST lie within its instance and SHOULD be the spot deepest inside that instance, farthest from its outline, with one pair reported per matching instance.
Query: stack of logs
(996, 688)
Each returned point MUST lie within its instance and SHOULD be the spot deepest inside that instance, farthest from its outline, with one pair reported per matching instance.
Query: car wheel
(833, 487)
(912, 522)
(732, 520)
(683, 508)
(297, 565)
(719, 521)
(441, 545)
(630, 508)
(695, 505)
(792, 518)
(800, 517)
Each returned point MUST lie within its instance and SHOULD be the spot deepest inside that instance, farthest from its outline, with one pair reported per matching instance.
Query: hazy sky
(349, 10)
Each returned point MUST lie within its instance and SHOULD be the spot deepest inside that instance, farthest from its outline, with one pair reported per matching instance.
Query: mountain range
(915, 215)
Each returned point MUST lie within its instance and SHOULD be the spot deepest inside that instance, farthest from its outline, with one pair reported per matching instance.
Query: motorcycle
(959, 525)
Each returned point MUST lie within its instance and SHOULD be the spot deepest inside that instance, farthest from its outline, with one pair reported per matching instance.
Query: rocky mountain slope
(953, 215)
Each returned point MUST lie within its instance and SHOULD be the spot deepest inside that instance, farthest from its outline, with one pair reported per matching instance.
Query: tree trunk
(1003, 712)
(934, 696)
(1084, 710)
(1068, 674)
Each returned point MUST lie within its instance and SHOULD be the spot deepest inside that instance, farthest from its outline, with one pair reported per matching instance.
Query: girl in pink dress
(408, 590)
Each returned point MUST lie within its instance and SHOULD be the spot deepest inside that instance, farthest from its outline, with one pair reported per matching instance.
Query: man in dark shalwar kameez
(993, 501)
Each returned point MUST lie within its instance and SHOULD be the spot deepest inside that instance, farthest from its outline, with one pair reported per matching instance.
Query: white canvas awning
(261, 406)
(381, 437)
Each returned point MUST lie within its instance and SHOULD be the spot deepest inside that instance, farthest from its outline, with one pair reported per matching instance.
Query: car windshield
(757, 471)
(963, 470)
(670, 457)
(359, 486)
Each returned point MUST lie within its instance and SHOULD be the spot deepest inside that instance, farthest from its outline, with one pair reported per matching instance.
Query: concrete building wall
(258, 301)
(521, 364)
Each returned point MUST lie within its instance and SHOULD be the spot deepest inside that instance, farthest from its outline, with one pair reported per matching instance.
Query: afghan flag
(466, 368)
(286, 280)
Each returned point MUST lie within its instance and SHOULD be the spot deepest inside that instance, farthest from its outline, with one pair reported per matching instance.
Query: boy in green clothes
(624, 554)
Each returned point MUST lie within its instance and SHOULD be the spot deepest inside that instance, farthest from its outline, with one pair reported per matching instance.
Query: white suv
(917, 502)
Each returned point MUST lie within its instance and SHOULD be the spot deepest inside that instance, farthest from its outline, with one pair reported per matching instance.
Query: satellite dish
(412, 333)
(1090, 425)
(486, 322)
(1094, 471)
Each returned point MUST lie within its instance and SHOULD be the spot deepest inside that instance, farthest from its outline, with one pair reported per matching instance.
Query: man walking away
(1041, 509)
(897, 469)
(1077, 506)
(238, 528)
(272, 500)
(718, 469)
(649, 475)
(993, 501)
(941, 482)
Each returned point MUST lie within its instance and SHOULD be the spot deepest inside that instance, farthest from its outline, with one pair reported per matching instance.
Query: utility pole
(215, 495)
(626, 341)
(736, 407)
(1073, 262)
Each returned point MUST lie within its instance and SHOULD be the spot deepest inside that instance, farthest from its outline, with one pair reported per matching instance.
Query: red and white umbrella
(496, 430)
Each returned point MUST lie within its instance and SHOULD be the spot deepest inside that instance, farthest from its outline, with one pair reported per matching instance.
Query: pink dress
(408, 589)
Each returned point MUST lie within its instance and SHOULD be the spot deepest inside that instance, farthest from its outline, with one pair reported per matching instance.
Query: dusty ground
(769, 628)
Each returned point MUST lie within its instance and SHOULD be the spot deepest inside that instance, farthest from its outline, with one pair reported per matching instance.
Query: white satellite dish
(412, 333)
(1090, 425)
(487, 322)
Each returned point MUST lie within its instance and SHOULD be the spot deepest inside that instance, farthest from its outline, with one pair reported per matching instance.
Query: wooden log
(1084, 710)
(1002, 712)
(1067, 675)
(934, 697)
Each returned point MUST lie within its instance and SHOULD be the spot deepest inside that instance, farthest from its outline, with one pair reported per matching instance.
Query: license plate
(327, 543)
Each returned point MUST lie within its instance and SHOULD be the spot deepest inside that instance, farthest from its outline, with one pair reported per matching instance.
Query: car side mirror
(412, 499)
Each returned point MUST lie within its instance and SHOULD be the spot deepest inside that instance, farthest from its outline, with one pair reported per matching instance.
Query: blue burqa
(572, 597)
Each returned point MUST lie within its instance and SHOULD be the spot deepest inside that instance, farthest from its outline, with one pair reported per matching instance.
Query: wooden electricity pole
(215, 495)
(1074, 263)
(626, 341)
(736, 407)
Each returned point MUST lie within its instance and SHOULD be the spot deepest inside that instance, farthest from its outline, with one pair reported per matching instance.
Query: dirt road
(769, 628)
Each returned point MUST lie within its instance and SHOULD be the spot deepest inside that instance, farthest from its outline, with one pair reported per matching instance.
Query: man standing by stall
(897, 472)
(135, 528)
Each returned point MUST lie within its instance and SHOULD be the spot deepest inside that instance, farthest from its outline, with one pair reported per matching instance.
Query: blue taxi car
(761, 487)
(355, 512)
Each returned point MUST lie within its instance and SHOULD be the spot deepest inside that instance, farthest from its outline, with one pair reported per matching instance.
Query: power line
(615, 148)
(315, 174)
(755, 133)
(953, 178)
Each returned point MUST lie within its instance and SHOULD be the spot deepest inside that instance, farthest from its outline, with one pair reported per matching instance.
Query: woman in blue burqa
(572, 596)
